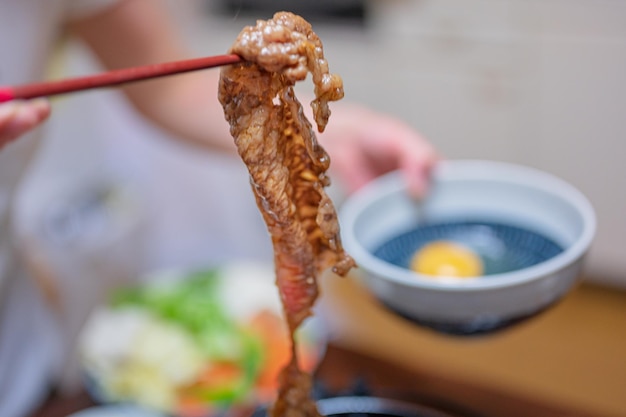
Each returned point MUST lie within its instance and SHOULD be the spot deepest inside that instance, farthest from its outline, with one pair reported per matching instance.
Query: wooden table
(341, 368)
(456, 397)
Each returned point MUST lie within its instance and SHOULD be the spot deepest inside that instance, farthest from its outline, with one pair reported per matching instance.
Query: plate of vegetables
(194, 344)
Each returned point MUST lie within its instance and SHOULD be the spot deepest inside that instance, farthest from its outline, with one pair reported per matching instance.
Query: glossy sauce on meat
(287, 168)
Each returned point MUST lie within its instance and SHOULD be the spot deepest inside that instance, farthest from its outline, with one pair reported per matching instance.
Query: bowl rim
(392, 183)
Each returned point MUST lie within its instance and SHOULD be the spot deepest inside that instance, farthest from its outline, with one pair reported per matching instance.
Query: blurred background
(536, 82)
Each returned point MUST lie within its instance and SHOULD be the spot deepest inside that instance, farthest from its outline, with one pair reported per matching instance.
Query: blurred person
(123, 33)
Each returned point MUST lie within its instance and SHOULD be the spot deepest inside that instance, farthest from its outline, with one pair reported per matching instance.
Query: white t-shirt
(29, 347)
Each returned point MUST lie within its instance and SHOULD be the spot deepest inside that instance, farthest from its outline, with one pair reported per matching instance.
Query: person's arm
(139, 32)
(362, 143)
(18, 117)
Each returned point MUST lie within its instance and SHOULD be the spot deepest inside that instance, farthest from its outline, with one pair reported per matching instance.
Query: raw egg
(447, 258)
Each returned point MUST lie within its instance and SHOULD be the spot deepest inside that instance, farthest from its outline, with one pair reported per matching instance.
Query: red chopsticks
(113, 78)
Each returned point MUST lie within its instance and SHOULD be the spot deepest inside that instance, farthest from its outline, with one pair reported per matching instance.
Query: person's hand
(364, 144)
(18, 117)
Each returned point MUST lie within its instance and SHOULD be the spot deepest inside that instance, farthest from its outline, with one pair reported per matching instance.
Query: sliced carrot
(220, 374)
(189, 406)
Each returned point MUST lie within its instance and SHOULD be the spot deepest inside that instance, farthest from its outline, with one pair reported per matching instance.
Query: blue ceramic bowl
(530, 228)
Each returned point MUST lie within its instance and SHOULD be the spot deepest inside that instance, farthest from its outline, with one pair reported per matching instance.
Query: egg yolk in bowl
(446, 258)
